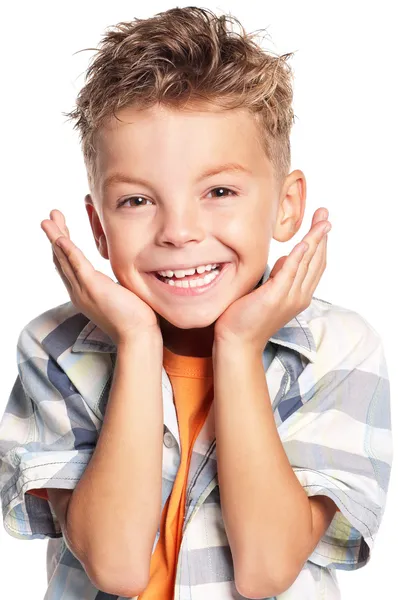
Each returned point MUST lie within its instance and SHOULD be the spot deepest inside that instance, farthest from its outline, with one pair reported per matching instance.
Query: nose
(179, 225)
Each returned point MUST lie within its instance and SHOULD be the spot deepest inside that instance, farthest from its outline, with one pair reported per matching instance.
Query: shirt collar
(295, 335)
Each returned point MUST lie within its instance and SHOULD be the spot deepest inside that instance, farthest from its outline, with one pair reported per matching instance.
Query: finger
(57, 217)
(311, 262)
(52, 230)
(80, 265)
(313, 238)
(283, 280)
(72, 261)
(321, 214)
(64, 268)
(316, 268)
(60, 272)
(278, 266)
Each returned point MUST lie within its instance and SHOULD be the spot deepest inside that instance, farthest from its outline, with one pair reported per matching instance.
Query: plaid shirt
(329, 387)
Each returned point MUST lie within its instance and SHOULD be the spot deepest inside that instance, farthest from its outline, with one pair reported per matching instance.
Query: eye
(123, 202)
(223, 189)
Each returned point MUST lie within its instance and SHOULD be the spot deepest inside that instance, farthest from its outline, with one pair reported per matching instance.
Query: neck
(187, 342)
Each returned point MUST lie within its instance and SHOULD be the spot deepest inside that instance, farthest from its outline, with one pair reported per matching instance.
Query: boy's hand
(115, 309)
(251, 320)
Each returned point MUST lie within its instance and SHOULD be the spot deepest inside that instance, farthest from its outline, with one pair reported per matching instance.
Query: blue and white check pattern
(329, 388)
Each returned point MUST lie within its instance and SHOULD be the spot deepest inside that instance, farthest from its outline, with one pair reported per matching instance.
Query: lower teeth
(193, 282)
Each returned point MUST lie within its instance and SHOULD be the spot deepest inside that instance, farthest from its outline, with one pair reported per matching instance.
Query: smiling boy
(204, 427)
(232, 225)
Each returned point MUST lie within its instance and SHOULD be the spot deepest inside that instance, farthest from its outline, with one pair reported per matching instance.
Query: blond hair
(180, 55)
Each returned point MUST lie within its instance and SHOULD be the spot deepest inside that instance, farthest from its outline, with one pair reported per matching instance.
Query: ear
(96, 227)
(291, 207)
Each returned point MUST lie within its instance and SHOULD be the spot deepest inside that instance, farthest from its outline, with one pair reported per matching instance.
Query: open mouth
(192, 284)
(195, 280)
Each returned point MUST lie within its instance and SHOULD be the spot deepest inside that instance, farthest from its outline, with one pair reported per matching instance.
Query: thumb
(278, 266)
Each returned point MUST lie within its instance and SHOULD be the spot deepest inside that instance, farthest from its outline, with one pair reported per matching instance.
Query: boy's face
(178, 216)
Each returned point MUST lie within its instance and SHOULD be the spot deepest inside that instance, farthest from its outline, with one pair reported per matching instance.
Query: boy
(108, 441)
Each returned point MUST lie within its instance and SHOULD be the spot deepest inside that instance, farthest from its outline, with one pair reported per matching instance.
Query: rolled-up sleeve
(47, 436)
(339, 445)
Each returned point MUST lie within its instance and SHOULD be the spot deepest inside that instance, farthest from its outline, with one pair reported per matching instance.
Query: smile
(191, 285)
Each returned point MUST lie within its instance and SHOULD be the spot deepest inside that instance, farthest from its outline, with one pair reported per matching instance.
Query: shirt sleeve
(47, 436)
(339, 445)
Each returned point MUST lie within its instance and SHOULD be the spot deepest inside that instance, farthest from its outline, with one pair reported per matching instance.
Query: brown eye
(123, 202)
(223, 190)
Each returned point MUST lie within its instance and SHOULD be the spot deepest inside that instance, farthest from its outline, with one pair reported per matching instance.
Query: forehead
(185, 139)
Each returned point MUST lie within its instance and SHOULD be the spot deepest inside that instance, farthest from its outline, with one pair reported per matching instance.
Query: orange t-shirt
(192, 382)
(40, 493)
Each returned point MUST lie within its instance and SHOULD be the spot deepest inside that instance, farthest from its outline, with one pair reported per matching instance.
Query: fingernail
(327, 228)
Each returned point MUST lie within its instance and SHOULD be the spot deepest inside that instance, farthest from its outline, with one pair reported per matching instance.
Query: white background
(344, 139)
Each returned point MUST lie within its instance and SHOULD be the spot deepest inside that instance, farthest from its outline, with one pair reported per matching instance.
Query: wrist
(141, 338)
(236, 350)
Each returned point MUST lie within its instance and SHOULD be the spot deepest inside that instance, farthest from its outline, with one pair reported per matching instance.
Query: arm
(271, 524)
(114, 510)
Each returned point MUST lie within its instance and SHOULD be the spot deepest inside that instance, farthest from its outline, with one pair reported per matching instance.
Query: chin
(186, 321)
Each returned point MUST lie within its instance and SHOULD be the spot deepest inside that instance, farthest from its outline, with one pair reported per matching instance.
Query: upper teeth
(182, 273)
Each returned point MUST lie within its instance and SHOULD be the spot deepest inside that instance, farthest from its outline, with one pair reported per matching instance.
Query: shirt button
(168, 440)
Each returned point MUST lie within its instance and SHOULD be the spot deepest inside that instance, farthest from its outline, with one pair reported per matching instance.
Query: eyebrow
(227, 167)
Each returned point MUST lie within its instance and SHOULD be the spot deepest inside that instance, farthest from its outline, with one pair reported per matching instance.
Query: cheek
(124, 245)
(123, 260)
(249, 222)
(247, 237)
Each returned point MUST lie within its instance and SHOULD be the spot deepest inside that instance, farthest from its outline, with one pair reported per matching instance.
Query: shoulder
(47, 362)
(338, 321)
(51, 332)
(342, 336)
